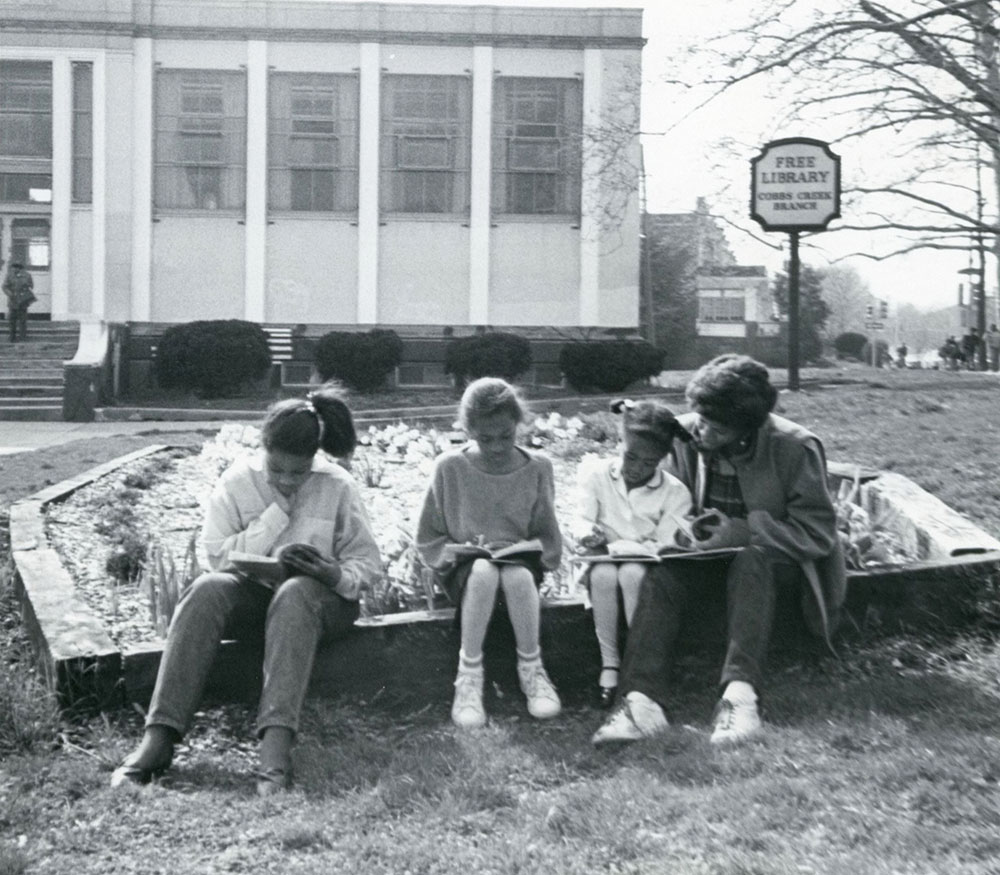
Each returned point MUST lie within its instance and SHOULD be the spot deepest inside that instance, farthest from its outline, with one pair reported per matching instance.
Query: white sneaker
(543, 700)
(736, 717)
(467, 710)
(637, 716)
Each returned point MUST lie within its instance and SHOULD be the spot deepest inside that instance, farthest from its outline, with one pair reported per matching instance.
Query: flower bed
(155, 505)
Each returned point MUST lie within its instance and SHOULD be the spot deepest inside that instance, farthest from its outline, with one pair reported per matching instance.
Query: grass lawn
(884, 761)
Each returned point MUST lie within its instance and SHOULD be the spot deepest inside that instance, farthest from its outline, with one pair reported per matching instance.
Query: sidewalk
(19, 437)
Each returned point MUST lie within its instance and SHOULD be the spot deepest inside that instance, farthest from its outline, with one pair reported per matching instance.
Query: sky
(683, 161)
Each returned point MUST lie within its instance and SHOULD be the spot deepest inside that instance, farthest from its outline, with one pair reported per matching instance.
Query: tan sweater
(463, 503)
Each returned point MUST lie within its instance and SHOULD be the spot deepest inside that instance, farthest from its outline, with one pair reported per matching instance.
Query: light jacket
(245, 513)
(783, 481)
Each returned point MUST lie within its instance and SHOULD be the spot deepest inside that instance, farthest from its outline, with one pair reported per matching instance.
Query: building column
(99, 205)
(481, 177)
(370, 111)
(142, 178)
(590, 195)
(255, 264)
(62, 182)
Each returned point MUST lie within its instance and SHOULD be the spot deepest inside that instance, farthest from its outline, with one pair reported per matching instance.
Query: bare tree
(916, 79)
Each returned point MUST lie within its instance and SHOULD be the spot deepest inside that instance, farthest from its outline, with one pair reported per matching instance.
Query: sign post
(794, 187)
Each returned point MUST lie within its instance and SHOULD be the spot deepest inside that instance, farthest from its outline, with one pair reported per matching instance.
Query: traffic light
(869, 311)
(883, 309)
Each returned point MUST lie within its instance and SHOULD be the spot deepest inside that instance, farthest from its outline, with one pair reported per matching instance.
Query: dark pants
(674, 591)
(17, 322)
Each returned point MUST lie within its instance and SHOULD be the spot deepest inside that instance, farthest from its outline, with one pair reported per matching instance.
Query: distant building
(706, 302)
(735, 302)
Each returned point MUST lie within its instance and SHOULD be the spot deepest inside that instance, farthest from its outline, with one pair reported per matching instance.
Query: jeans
(293, 621)
(17, 322)
(672, 591)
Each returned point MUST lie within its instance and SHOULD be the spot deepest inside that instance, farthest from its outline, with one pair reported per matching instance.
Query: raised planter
(413, 655)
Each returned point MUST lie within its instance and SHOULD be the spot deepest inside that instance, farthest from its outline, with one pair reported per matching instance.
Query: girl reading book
(296, 504)
(627, 504)
(492, 493)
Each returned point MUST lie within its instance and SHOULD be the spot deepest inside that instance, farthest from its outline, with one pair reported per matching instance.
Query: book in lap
(633, 551)
(265, 569)
(520, 550)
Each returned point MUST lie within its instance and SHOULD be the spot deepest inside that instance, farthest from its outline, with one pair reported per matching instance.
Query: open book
(510, 553)
(633, 551)
(266, 569)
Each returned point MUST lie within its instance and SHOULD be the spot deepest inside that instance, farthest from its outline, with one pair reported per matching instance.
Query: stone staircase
(31, 371)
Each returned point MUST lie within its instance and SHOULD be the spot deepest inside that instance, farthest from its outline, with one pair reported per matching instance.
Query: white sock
(530, 658)
(469, 666)
(740, 691)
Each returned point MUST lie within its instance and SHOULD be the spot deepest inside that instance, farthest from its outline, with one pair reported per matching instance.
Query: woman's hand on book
(594, 539)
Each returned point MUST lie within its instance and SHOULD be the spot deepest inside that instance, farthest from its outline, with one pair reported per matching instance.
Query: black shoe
(606, 696)
(130, 773)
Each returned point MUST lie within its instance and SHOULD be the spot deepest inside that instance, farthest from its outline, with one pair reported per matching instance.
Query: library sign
(795, 185)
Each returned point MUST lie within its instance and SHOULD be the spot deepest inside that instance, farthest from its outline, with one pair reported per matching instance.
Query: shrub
(881, 352)
(850, 344)
(362, 361)
(609, 365)
(493, 354)
(212, 358)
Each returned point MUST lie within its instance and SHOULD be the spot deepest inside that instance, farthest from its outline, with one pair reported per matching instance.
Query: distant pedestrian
(951, 353)
(901, 352)
(970, 348)
(19, 289)
(993, 346)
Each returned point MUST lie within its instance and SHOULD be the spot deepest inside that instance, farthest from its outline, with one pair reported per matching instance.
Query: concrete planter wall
(412, 656)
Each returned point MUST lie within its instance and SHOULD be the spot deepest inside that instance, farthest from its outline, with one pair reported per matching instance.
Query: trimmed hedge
(493, 354)
(212, 358)
(850, 343)
(609, 365)
(362, 361)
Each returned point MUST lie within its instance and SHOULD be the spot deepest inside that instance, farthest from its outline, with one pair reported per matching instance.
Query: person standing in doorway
(19, 288)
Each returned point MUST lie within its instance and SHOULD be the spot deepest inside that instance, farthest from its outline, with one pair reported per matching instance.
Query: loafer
(273, 782)
(130, 773)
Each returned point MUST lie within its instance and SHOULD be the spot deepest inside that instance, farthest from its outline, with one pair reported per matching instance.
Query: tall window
(200, 158)
(313, 134)
(30, 243)
(426, 130)
(721, 309)
(537, 146)
(83, 146)
(26, 131)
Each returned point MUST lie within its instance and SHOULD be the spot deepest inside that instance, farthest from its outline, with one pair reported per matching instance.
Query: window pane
(25, 109)
(25, 187)
(30, 243)
(537, 148)
(426, 128)
(200, 139)
(312, 142)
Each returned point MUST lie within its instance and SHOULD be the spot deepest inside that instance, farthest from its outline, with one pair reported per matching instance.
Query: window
(83, 146)
(426, 126)
(25, 131)
(537, 146)
(721, 309)
(200, 156)
(313, 139)
(29, 243)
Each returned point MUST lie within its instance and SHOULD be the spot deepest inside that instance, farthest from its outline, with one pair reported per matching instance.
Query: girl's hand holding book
(306, 559)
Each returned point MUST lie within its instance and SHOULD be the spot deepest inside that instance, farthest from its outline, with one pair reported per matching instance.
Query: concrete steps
(31, 372)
